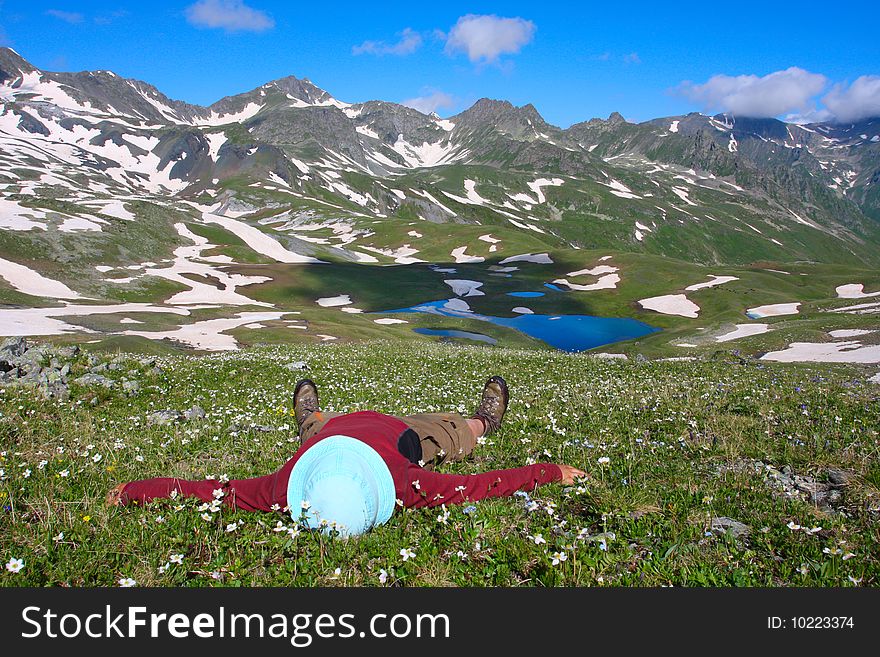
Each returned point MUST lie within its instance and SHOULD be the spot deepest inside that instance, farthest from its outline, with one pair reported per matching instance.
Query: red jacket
(413, 485)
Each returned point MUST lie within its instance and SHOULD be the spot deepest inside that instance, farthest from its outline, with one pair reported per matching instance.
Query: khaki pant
(444, 436)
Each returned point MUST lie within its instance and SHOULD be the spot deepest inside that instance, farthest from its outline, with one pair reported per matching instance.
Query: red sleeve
(257, 494)
(426, 488)
(147, 490)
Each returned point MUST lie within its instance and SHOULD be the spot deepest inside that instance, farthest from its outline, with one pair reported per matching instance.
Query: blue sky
(644, 60)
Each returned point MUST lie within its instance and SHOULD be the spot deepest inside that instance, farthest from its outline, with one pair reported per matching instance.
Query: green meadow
(722, 471)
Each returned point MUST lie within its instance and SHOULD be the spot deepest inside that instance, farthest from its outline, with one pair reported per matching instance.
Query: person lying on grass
(352, 469)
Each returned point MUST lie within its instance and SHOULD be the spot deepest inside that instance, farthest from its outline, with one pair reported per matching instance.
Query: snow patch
(209, 334)
(465, 288)
(257, 239)
(461, 257)
(826, 352)
(854, 291)
(606, 282)
(538, 258)
(671, 304)
(849, 333)
(330, 302)
(773, 310)
(743, 331)
(716, 280)
(26, 280)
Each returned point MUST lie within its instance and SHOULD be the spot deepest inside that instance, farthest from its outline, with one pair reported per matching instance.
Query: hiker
(352, 469)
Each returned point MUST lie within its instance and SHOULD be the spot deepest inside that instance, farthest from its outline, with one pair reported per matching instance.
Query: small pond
(565, 332)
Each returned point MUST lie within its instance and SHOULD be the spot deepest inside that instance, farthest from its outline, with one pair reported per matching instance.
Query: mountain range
(96, 167)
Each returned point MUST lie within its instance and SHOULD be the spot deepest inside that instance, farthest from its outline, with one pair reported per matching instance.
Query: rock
(92, 360)
(65, 370)
(808, 485)
(131, 387)
(54, 390)
(30, 372)
(262, 428)
(69, 352)
(640, 358)
(95, 380)
(97, 369)
(297, 366)
(30, 358)
(156, 371)
(195, 413)
(51, 375)
(114, 367)
(147, 362)
(724, 525)
(9, 376)
(840, 478)
(166, 416)
(12, 348)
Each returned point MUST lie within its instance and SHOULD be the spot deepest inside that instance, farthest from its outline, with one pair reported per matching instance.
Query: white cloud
(486, 38)
(430, 102)
(759, 97)
(229, 15)
(66, 16)
(410, 41)
(632, 58)
(860, 100)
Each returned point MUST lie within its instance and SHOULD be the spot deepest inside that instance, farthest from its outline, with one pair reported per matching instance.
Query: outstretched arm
(257, 494)
(426, 488)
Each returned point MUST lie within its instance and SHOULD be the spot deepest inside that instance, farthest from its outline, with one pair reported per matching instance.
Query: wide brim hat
(345, 485)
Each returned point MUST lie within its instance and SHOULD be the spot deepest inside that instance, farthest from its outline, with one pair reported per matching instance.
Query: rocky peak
(12, 65)
(303, 89)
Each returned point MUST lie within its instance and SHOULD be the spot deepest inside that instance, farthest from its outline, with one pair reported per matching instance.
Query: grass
(682, 441)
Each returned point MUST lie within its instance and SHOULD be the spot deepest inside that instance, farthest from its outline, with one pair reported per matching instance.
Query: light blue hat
(344, 481)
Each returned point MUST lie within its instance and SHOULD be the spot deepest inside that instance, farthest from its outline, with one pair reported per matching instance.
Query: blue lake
(456, 334)
(526, 295)
(565, 332)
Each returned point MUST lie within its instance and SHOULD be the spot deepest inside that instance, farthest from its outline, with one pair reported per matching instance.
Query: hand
(116, 496)
(569, 473)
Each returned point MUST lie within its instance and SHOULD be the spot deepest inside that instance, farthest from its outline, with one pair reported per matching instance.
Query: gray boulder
(31, 358)
(195, 413)
(12, 348)
(724, 525)
(68, 352)
(54, 390)
(95, 380)
(9, 376)
(166, 416)
(297, 366)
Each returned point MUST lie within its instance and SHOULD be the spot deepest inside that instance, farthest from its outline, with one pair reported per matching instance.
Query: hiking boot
(305, 400)
(493, 404)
